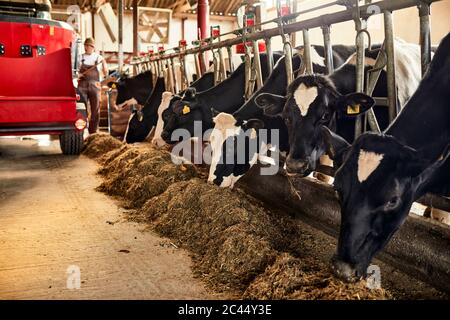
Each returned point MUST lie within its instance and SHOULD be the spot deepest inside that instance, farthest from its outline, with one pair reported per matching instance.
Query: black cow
(316, 100)
(133, 90)
(197, 107)
(381, 175)
(141, 122)
(224, 173)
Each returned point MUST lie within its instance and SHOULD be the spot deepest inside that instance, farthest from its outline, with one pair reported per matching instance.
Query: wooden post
(203, 27)
(120, 51)
(135, 28)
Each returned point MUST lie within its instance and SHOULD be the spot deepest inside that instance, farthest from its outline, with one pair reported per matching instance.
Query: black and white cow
(157, 140)
(316, 100)
(198, 107)
(134, 90)
(380, 175)
(142, 122)
(224, 173)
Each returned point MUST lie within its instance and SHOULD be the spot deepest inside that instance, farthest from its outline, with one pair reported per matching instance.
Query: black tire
(71, 142)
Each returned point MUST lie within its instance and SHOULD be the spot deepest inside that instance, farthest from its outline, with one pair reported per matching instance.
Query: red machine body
(36, 33)
(37, 95)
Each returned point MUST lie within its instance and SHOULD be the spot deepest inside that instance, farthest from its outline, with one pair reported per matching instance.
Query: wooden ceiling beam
(181, 15)
(230, 6)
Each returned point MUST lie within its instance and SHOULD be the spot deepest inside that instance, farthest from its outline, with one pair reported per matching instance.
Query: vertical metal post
(174, 76)
(425, 36)
(269, 54)
(120, 49)
(307, 52)
(257, 64)
(170, 76)
(160, 68)
(198, 69)
(360, 24)
(155, 68)
(184, 73)
(108, 93)
(293, 35)
(328, 49)
(288, 61)
(390, 67)
(249, 84)
(222, 67)
(230, 58)
(216, 68)
(93, 13)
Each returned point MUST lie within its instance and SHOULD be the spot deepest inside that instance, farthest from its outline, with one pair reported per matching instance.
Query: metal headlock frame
(355, 12)
(317, 22)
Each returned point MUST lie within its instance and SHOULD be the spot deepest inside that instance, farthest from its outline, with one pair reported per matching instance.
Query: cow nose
(296, 166)
(165, 135)
(344, 270)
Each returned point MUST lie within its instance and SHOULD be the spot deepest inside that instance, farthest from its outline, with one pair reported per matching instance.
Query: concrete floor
(53, 223)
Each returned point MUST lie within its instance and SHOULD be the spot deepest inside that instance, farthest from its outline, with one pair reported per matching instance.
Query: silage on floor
(238, 245)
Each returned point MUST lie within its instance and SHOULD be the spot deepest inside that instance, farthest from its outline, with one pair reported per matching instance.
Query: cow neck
(275, 84)
(417, 114)
(151, 107)
(139, 86)
(205, 82)
(227, 96)
(344, 79)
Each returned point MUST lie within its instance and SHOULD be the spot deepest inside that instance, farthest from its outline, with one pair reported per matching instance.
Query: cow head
(134, 90)
(311, 101)
(234, 149)
(136, 131)
(123, 92)
(183, 113)
(376, 184)
(165, 101)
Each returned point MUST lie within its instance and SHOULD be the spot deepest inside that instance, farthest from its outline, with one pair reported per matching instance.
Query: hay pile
(98, 144)
(138, 175)
(238, 245)
(306, 279)
(234, 238)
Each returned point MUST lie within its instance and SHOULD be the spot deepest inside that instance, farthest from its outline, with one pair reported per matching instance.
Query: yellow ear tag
(113, 86)
(186, 109)
(353, 109)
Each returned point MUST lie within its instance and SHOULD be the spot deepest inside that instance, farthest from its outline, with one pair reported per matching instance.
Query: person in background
(89, 81)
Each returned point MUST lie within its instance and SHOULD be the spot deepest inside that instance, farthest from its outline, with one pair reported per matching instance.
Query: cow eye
(393, 203)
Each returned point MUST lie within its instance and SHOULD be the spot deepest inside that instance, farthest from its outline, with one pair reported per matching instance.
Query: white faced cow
(227, 172)
(316, 100)
(165, 101)
(381, 175)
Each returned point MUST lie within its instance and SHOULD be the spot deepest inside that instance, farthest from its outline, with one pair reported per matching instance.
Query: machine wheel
(71, 142)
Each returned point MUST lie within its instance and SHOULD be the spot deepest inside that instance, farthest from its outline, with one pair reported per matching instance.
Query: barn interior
(130, 206)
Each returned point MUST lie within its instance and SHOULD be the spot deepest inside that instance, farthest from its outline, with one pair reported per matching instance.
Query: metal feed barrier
(432, 265)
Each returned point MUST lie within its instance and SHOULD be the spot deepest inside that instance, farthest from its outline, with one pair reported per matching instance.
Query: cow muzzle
(294, 166)
(346, 271)
(166, 137)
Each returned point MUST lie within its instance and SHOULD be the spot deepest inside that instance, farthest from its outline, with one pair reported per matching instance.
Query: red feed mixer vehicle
(37, 93)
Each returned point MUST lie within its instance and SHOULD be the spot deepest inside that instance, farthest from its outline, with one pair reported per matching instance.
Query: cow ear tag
(353, 109)
(186, 109)
(113, 86)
